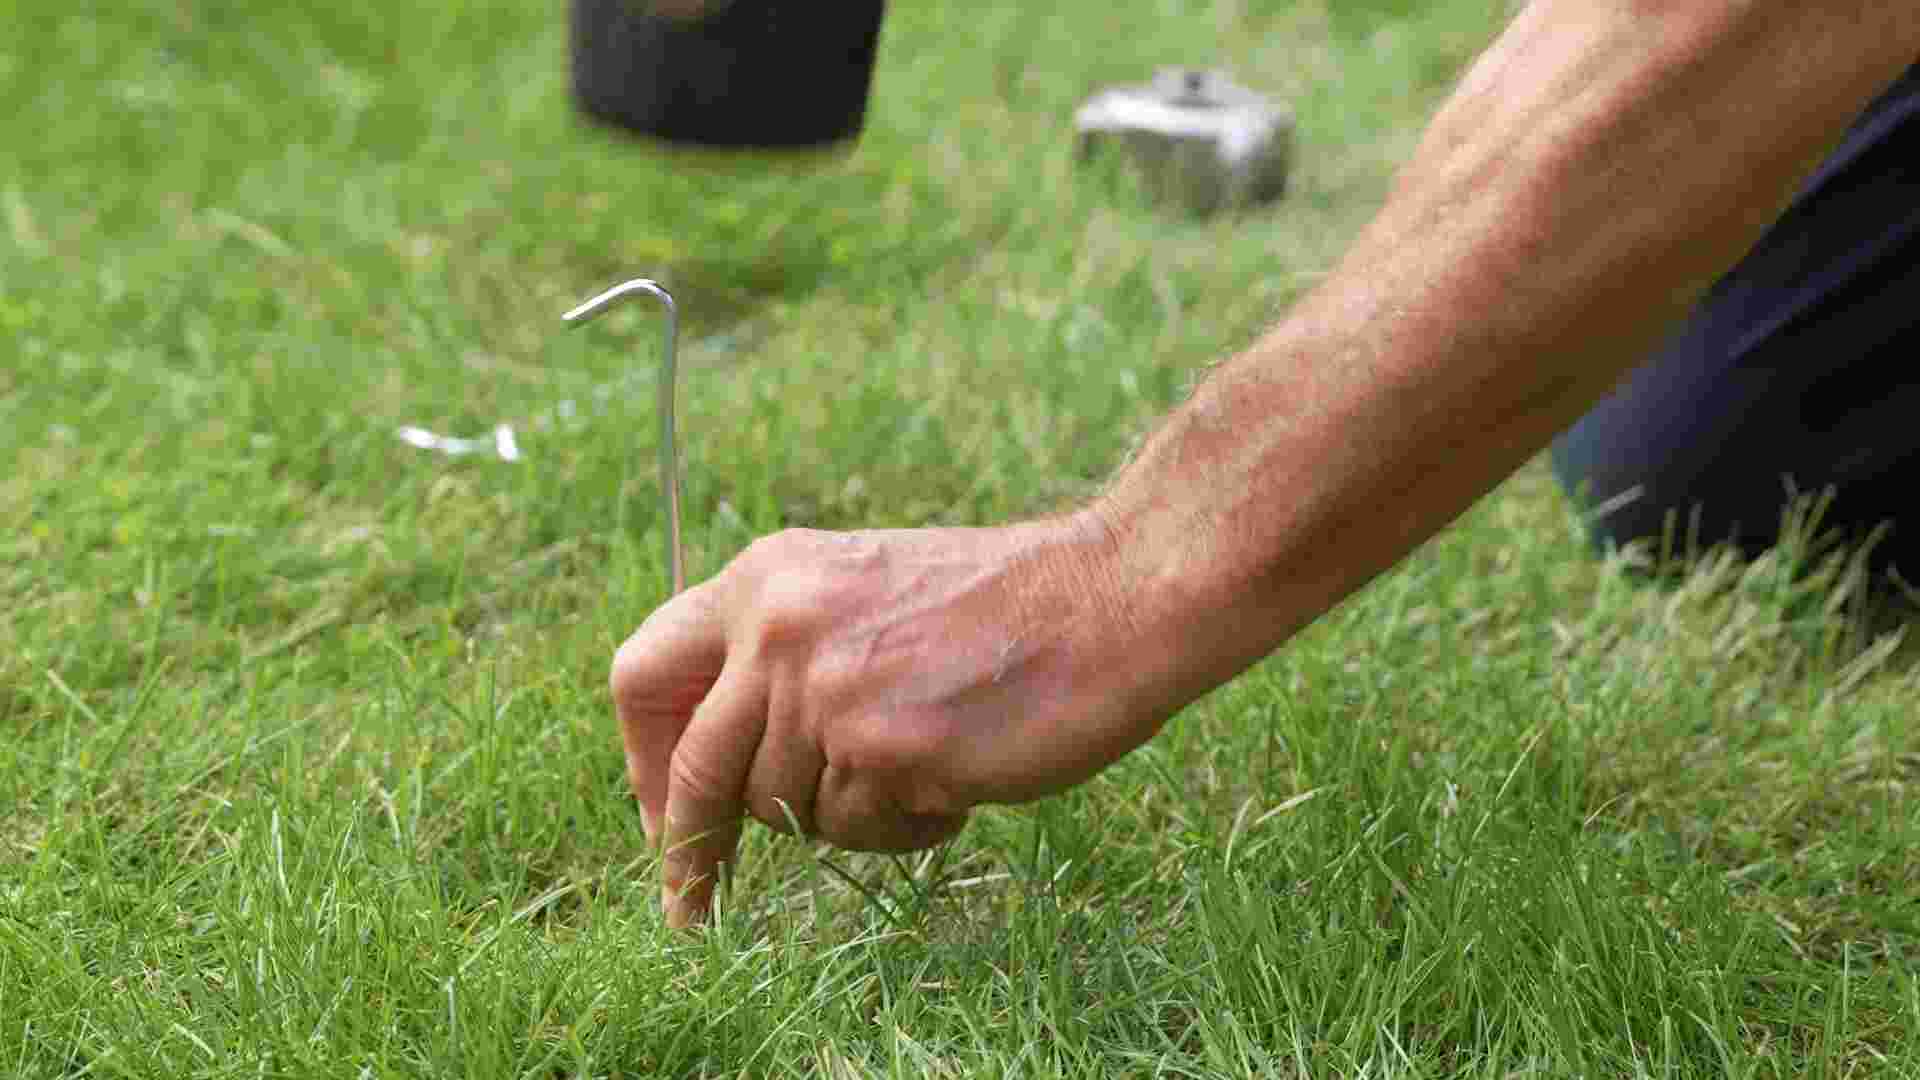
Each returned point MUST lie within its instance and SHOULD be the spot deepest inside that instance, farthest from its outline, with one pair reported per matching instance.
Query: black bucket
(759, 73)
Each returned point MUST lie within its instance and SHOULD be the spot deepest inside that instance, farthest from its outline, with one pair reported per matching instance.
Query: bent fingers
(706, 792)
(660, 675)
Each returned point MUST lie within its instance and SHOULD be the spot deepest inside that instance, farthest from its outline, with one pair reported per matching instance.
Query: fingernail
(683, 903)
(649, 821)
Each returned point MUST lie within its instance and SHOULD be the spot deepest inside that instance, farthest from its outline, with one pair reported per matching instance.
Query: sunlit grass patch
(307, 766)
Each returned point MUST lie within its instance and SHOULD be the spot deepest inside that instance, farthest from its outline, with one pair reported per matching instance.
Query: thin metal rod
(586, 312)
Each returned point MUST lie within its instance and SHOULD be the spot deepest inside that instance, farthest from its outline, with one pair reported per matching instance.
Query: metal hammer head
(1199, 138)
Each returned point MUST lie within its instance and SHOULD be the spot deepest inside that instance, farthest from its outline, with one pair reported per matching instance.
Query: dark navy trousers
(1798, 373)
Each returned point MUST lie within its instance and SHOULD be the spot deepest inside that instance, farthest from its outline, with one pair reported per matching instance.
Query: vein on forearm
(1591, 175)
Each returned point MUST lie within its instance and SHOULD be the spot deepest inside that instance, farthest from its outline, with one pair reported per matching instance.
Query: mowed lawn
(306, 761)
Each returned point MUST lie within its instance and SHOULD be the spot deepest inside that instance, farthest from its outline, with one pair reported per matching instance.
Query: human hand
(870, 688)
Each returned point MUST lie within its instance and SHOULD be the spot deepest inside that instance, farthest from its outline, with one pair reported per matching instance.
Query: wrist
(1134, 646)
(1200, 604)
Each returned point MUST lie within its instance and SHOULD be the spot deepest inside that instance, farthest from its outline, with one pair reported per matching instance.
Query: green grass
(306, 766)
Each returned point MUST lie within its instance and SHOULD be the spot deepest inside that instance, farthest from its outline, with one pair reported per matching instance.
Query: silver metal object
(1198, 138)
(502, 443)
(588, 310)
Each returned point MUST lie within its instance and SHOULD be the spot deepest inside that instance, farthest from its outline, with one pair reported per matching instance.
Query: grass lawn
(306, 760)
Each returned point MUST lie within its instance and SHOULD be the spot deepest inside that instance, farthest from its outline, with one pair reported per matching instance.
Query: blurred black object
(760, 73)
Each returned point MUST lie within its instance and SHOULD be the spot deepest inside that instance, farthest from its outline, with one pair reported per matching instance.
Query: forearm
(1597, 168)
(1594, 172)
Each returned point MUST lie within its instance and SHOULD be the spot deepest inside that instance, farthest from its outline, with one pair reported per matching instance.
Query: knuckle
(793, 609)
(911, 744)
(697, 779)
(907, 762)
(927, 800)
(666, 654)
(790, 587)
(626, 677)
(780, 624)
(779, 547)
(869, 818)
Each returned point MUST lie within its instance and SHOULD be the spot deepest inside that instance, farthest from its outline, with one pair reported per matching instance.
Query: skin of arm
(1593, 173)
